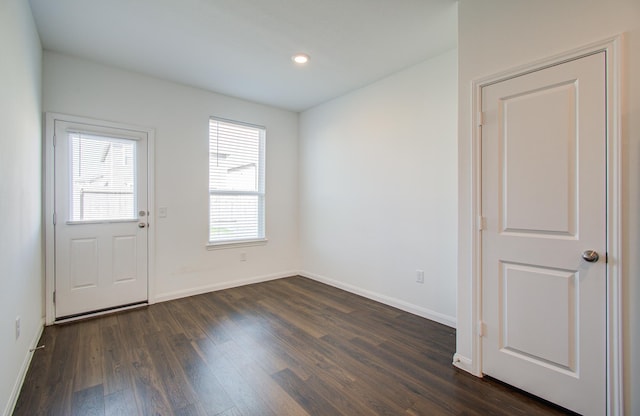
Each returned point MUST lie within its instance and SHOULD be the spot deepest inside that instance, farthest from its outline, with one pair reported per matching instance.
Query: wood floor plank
(283, 308)
(308, 399)
(188, 316)
(346, 401)
(56, 399)
(139, 323)
(37, 376)
(231, 412)
(149, 391)
(194, 409)
(293, 286)
(305, 348)
(333, 366)
(438, 374)
(170, 373)
(260, 338)
(212, 395)
(250, 334)
(247, 400)
(355, 301)
(398, 392)
(116, 362)
(120, 403)
(88, 402)
(293, 347)
(323, 311)
(427, 388)
(164, 317)
(278, 400)
(210, 321)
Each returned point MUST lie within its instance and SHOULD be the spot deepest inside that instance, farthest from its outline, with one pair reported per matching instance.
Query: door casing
(49, 206)
(612, 49)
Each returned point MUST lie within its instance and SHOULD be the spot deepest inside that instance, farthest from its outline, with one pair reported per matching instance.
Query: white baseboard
(463, 363)
(387, 300)
(13, 399)
(163, 297)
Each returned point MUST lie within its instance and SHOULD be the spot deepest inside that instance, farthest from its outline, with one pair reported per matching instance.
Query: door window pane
(103, 178)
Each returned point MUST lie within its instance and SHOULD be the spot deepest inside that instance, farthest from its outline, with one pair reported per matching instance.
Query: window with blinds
(103, 178)
(236, 182)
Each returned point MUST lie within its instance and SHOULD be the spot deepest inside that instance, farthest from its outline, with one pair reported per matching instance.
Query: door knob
(142, 225)
(590, 255)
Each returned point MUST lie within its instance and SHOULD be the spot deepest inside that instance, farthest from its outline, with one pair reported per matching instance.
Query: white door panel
(82, 263)
(124, 258)
(544, 201)
(526, 144)
(101, 208)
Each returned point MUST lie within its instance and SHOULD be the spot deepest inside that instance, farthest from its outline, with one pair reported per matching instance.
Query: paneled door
(544, 237)
(100, 217)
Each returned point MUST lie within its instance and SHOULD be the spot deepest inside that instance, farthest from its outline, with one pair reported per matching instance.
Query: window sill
(236, 244)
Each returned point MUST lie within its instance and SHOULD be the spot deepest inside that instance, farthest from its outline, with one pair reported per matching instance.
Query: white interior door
(101, 218)
(544, 206)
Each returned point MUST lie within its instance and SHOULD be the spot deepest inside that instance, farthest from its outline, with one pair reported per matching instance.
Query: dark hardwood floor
(287, 347)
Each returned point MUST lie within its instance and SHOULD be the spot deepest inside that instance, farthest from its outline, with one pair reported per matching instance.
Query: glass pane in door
(103, 178)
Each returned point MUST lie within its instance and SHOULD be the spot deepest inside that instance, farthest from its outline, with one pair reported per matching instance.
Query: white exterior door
(100, 218)
(544, 208)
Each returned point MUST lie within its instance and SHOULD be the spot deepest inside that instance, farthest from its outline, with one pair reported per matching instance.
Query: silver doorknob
(590, 255)
(142, 225)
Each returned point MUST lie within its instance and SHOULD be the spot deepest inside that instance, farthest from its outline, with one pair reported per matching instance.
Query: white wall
(378, 189)
(496, 35)
(21, 263)
(180, 116)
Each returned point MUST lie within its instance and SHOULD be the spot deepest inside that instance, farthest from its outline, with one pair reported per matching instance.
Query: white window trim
(237, 244)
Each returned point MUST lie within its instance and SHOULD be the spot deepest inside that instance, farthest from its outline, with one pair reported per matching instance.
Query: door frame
(614, 372)
(48, 181)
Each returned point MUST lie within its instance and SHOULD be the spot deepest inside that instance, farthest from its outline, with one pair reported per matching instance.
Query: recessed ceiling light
(300, 58)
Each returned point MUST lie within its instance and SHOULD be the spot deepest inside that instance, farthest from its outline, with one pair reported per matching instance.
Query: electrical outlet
(243, 256)
(419, 276)
(17, 327)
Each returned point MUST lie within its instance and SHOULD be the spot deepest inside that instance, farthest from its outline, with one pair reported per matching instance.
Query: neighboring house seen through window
(102, 178)
(236, 182)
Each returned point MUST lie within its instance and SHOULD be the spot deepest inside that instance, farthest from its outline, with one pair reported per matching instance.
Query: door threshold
(101, 312)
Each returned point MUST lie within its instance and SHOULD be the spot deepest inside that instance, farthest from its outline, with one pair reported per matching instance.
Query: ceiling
(243, 48)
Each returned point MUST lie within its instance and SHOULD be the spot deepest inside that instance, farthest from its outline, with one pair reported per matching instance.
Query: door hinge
(482, 223)
(54, 296)
(54, 140)
(480, 118)
(54, 218)
(482, 329)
